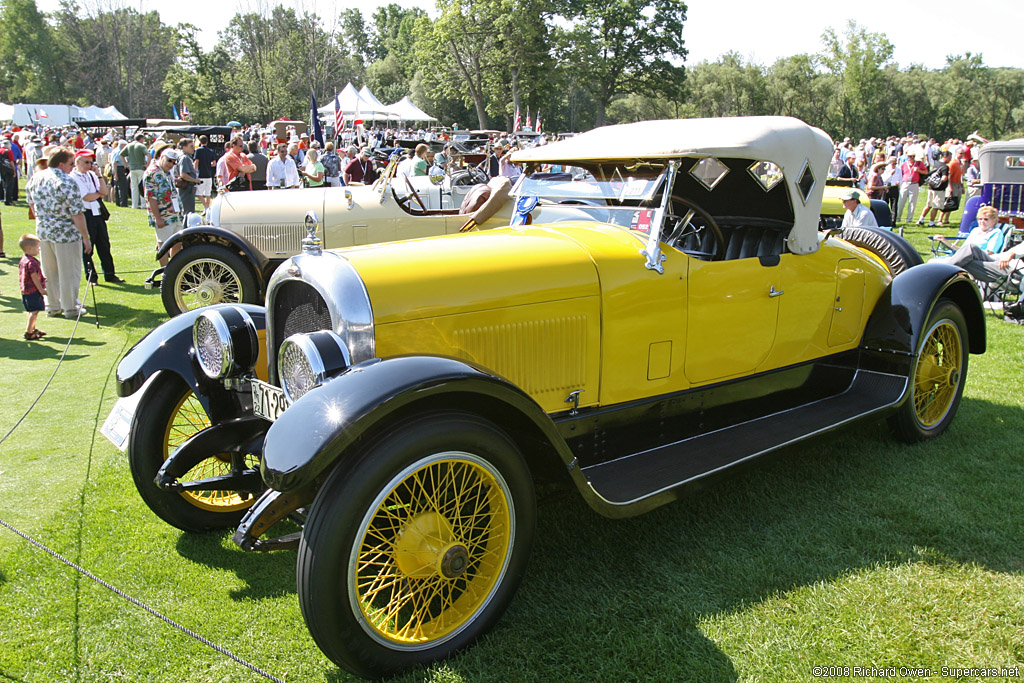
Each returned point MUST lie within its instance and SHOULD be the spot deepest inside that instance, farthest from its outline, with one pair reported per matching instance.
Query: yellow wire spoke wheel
(168, 414)
(937, 378)
(415, 543)
(432, 548)
(938, 373)
(186, 420)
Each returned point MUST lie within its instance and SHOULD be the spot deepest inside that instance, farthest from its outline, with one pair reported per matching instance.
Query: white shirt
(892, 176)
(861, 217)
(278, 170)
(406, 167)
(87, 184)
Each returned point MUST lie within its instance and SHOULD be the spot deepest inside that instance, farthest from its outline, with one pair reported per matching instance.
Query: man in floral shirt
(60, 224)
(162, 199)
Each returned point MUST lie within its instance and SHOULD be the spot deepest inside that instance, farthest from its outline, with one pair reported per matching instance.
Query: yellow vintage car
(230, 250)
(659, 313)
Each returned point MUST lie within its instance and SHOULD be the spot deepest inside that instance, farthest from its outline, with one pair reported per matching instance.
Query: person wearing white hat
(857, 215)
(912, 171)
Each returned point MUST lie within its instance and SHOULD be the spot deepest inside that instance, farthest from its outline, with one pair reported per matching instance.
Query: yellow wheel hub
(432, 550)
(938, 374)
(186, 420)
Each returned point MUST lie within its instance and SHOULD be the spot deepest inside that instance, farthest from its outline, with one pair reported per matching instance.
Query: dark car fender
(169, 348)
(213, 235)
(320, 427)
(899, 318)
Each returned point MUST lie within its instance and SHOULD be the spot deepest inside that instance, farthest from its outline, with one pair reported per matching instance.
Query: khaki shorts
(167, 232)
(936, 198)
(204, 187)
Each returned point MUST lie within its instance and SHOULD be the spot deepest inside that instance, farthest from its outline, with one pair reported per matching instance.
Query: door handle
(775, 292)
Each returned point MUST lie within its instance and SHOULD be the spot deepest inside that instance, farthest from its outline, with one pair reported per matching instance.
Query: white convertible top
(788, 142)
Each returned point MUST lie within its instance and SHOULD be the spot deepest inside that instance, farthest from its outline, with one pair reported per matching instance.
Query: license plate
(268, 401)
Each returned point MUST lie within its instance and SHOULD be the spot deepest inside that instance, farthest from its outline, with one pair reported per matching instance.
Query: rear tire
(937, 378)
(417, 549)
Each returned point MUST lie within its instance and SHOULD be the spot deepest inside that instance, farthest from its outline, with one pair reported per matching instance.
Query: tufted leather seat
(749, 242)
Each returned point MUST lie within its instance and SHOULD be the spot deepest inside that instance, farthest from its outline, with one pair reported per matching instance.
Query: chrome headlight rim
(324, 353)
(236, 339)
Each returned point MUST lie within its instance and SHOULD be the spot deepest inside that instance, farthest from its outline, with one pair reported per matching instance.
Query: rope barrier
(85, 572)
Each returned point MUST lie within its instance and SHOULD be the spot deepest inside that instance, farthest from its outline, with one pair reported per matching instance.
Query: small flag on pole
(174, 108)
(538, 121)
(318, 132)
(528, 117)
(518, 122)
(185, 113)
(339, 115)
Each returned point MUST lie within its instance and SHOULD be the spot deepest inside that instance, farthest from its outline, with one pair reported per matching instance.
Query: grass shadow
(266, 575)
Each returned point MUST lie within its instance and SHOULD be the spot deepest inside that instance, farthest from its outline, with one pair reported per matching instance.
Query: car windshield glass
(618, 185)
(627, 196)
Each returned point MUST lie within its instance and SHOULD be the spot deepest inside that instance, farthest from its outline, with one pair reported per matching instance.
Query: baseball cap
(850, 194)
(84, 153)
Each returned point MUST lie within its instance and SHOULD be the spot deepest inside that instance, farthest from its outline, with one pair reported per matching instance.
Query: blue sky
(921, 33)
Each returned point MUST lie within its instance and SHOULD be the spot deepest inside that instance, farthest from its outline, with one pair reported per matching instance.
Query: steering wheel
(408, 183)
(687, 222)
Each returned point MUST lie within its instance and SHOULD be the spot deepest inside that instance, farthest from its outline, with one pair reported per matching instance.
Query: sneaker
(921, 222)
(75, 312)
(931, 224)
(53, 313)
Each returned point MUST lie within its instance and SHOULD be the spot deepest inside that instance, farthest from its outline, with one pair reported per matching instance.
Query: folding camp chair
(968, 221)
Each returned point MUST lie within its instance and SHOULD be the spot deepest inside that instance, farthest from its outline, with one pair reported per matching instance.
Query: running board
(634, 477)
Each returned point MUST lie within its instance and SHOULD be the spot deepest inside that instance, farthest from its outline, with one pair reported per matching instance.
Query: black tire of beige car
(206, 274)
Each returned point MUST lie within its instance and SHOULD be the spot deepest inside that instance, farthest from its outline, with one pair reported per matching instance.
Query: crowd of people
(895, 168)
(70, 175)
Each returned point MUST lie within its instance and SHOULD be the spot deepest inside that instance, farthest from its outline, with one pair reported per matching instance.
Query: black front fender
(899, 318)
(169, 347)
(316, 430)
(214, 235)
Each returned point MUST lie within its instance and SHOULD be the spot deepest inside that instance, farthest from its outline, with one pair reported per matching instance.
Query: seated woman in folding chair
(983, 265)
(987, 236)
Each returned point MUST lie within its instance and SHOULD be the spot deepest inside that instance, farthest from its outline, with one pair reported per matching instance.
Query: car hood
(489, 270)
(276, 206)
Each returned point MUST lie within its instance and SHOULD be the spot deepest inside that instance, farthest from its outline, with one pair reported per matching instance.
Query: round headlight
(225, 341)
(305, 361)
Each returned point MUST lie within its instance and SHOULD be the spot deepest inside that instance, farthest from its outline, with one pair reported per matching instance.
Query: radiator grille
(540, 356)
(296, 308)
(275, 239)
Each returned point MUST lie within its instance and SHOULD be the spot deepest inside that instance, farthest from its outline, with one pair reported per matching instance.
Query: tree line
(582, 63)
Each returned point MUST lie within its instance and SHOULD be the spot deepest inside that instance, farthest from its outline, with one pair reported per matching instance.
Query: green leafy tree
(858, 60)
(625, 46)
(728, 87)
(31, 60)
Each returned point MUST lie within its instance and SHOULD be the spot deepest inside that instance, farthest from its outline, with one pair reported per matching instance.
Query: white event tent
(369, 108)
(55, 114)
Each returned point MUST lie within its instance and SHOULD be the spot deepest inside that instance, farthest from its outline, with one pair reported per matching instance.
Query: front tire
(937, 378)
(418, 548)
(206, 274)
(168, 414)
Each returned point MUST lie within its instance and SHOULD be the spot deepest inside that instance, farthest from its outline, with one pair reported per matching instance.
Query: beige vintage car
(229, 252)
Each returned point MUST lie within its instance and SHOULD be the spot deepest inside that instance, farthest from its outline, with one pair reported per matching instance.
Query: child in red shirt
(33, 284)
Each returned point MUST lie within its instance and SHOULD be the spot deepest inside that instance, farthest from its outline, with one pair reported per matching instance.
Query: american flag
(527, 117)
(185, 113)
(339, 116)
(538, 121)
(519, 121)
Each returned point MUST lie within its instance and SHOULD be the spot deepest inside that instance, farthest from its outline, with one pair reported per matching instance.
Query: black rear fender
(902, 312)
(321, 428)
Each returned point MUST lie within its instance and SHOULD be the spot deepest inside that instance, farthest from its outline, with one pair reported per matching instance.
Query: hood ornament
(311, 243)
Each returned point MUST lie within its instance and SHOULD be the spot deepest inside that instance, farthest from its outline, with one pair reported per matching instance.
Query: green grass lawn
(847, 550)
